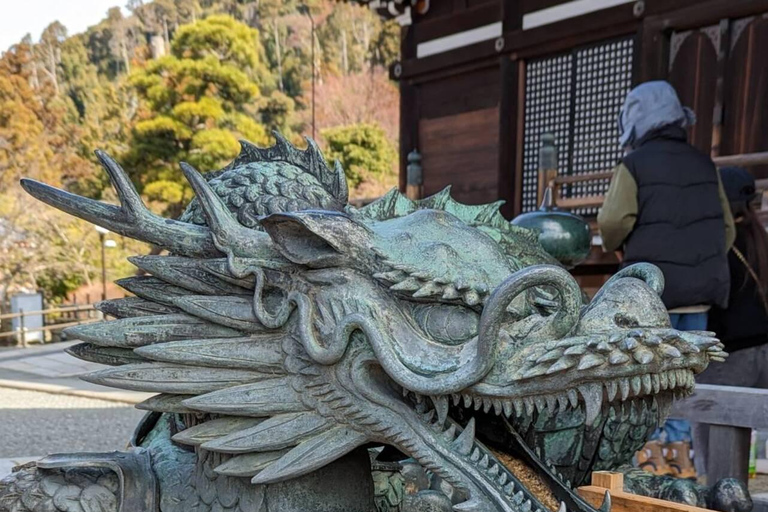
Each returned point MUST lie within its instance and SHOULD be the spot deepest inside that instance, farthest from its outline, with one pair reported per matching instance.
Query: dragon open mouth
(518, 444)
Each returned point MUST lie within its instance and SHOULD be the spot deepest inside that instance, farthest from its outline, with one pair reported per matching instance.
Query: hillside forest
(167, 81)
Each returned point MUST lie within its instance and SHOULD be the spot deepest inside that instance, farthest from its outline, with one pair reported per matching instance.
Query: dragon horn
(132, 218)
(229, 235)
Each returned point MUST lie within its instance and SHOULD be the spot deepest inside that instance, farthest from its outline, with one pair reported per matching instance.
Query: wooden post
(414, 177)
(728, 454)
(22, 329)
(547, 164)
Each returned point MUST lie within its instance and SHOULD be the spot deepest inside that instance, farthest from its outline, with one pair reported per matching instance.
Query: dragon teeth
(624, 387)
(593, 400)
(464, 443)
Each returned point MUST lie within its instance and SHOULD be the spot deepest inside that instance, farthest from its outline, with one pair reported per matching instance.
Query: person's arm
(730, 225)
(619, 212)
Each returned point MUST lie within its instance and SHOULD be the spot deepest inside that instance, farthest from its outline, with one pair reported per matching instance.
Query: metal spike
(606, 506)
(463, 444)
(407, 285)
(618, 357)
(575, 350)
(669, 351)
(441, 406)
(561, 365)
(428, 290)
(642, 355)
(590, 361)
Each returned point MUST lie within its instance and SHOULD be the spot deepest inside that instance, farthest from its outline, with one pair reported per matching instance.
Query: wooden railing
(596, 201)
(71, 315)
(731, 412)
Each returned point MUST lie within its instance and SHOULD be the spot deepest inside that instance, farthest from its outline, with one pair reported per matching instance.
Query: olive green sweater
(619, 212)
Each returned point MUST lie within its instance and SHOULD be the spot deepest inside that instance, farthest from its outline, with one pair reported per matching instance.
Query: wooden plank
(626, 502)
(570, 203)
(694, 76)
(608, 480)
(745, 160)
(461, 150)
(725, 405)
(459, 20)
(728, 453)
(722, 59)
(468, 92)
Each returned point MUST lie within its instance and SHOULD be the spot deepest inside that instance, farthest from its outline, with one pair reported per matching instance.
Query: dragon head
(430, 326)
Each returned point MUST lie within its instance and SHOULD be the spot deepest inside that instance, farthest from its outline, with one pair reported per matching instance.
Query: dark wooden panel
(461, 93)
(458, 21)
(745, 128)
(462, 150)
(508, 113)
(694, 76)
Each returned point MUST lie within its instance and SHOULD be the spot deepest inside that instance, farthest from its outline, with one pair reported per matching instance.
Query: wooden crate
(623, 501)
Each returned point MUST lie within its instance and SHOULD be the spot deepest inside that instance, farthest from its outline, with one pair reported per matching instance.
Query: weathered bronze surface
(288, 334)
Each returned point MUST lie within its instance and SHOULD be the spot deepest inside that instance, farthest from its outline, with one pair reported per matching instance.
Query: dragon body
(288, 335)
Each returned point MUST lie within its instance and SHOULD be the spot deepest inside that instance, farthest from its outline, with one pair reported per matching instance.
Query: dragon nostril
(625, 320)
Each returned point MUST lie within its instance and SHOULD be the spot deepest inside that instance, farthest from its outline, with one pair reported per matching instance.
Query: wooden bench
(731, 412)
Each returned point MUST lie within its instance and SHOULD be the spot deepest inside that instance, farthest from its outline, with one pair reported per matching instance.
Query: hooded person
(666, 205)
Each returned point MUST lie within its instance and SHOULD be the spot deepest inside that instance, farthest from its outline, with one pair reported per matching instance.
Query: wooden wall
(464, 109)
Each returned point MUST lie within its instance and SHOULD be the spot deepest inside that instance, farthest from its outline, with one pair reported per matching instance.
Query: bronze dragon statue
(291, 338)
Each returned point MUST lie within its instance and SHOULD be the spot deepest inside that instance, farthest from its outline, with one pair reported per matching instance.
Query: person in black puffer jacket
(666, 205)
(743, 325)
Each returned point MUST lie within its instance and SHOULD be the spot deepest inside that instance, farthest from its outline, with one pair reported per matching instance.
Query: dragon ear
(318, 238)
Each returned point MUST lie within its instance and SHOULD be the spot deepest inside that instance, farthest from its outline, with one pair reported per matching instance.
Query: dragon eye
(451, 325)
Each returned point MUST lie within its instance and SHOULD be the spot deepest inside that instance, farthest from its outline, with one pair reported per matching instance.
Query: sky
(21, 17)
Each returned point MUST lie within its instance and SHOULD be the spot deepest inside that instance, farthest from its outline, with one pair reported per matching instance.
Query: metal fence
(54, 319)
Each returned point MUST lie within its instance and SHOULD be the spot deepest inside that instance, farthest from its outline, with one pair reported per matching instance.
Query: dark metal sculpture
(288, 335)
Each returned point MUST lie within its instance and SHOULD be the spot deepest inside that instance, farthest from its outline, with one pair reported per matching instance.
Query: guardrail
(596, 201)
(72, 315)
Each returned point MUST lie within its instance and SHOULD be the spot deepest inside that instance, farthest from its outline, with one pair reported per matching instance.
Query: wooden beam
(745, 160)
(724, 405)
(728, 453)
(409, 127)
(509, 105)
(519, 133)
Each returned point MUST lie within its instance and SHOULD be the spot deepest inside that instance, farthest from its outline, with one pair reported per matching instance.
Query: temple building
(482, 80)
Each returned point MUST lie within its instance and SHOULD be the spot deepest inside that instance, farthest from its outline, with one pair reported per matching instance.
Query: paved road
(35, 424)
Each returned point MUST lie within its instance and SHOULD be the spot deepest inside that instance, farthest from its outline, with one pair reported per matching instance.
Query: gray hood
(649, 106)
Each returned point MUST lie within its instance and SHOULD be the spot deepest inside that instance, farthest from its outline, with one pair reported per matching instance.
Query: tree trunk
(278, 53)
(344, 54)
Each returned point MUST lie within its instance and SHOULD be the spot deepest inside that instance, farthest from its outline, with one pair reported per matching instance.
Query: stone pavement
(48, 369)
(45, 408)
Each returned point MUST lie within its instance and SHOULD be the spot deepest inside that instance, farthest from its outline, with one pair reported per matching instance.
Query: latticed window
(577, 97)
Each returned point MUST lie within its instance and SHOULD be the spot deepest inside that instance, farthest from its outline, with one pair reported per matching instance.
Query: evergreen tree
(196, 103)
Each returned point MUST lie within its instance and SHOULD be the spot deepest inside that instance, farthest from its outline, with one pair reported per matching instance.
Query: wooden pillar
(728, 454)
(510, 107)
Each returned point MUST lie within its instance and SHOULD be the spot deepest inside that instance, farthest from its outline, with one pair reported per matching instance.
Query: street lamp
(303, 9)
(104, 243)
